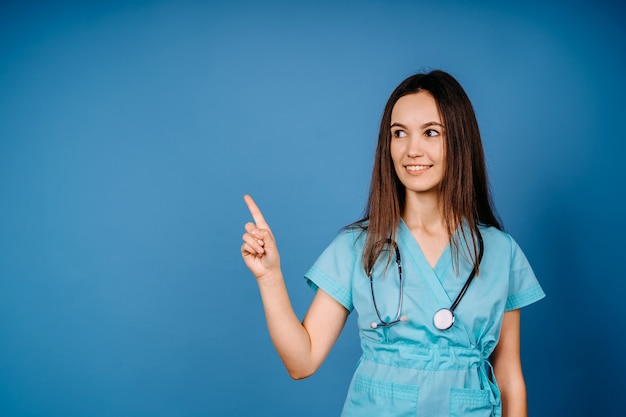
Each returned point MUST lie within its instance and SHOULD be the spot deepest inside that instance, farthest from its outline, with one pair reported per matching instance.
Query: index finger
(256, 212)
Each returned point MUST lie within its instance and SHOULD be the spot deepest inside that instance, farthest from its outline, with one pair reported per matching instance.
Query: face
(417, 143)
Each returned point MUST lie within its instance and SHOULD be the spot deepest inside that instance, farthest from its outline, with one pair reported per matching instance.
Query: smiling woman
(429, 200)
(417, 147)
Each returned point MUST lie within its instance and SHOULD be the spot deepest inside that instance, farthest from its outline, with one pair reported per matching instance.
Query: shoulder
(353, 235)
(346, 244)
(493, 234)
(502, 249)
(500, 241)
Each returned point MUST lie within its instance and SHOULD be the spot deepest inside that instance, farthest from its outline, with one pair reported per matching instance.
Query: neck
(423, 212)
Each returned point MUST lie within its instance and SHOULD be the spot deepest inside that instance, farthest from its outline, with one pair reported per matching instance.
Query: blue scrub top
(412, 368)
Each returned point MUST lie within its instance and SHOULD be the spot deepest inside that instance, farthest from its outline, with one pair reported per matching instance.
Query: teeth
(416, 167)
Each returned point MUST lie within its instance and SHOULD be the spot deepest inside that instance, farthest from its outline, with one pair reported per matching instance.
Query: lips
(416, 168)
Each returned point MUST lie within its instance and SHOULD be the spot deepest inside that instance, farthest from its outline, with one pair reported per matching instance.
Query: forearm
(513, 393)
(291, 340)
(507, 367)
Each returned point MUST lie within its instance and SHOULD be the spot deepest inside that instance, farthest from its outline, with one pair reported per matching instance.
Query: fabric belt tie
(488, 382)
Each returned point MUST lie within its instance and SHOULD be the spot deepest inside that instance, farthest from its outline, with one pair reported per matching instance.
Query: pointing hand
(259, 249)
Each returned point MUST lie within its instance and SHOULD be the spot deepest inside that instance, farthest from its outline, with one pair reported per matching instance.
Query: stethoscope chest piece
(443, 319)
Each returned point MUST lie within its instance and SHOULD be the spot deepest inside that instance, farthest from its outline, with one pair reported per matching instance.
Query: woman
(436, 283)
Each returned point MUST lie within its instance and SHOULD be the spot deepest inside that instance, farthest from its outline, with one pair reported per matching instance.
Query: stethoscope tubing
(444, 317)
(481, 251)
(383, 323)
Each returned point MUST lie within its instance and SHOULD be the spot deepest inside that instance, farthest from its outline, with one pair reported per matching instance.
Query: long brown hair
(464, 191)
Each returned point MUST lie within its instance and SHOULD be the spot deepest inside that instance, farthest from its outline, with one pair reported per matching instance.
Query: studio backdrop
(130, 131)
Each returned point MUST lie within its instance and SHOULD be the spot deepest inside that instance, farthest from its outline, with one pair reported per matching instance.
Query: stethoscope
(444, 317)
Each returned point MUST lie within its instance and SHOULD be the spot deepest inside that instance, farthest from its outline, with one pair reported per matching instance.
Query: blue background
(129, 132)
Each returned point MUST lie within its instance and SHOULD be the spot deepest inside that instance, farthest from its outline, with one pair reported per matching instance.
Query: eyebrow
(424, 126)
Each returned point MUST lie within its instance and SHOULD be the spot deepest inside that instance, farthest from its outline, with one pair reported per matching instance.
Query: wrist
(270, 279)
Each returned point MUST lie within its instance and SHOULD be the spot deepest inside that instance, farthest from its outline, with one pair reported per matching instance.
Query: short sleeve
(333, 270)
(524, 289)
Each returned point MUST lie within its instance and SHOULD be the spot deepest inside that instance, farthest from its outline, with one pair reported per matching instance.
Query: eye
(399, 133)
(431, 133)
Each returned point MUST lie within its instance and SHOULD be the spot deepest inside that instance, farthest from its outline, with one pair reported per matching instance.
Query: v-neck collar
(433, 276)
(442, 264)
(442, 268)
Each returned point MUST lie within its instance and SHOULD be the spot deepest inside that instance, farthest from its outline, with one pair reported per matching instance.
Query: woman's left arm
(507, 365)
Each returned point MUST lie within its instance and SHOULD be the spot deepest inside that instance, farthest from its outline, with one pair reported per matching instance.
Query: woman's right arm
(302, 346)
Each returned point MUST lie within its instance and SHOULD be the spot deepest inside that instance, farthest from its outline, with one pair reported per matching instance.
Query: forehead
(419, 107)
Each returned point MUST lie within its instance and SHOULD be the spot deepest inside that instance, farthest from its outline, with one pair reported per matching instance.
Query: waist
(415, 356)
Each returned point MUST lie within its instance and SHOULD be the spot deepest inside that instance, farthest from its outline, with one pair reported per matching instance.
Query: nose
(414, 147)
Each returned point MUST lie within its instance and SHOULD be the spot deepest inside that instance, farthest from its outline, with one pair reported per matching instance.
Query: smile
(416, 168)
